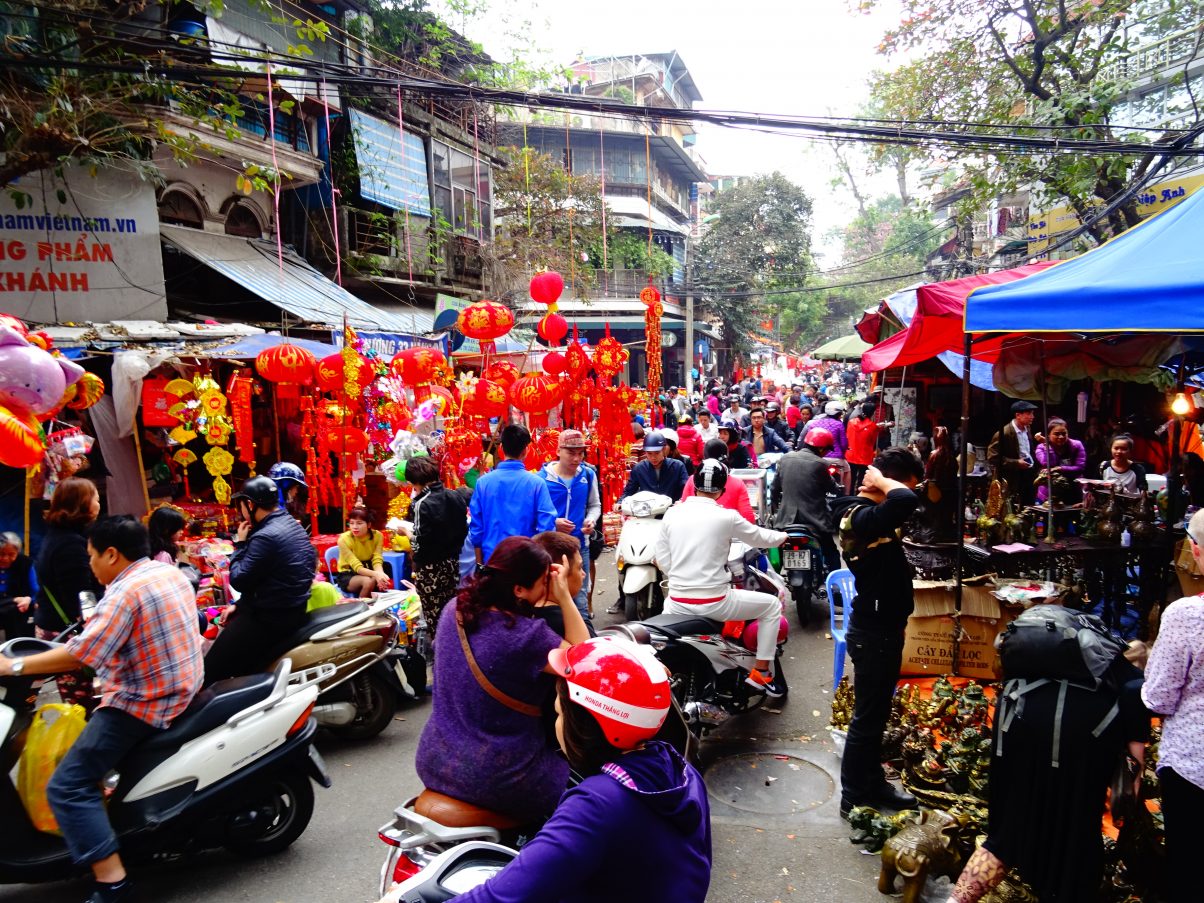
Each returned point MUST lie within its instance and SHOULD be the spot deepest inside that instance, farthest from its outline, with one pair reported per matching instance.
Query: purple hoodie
(641, 830)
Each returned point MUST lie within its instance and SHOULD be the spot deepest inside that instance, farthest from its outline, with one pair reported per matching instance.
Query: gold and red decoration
(652, 346)
(650, 296)
(286, 364)
(239, 390)
(332, 373)
(552, 329)
(609, 356)
(535, 394)
(504, 373)
(219, 463)
(576, 362)
(486, 399)
(485, 321)
(418, 367)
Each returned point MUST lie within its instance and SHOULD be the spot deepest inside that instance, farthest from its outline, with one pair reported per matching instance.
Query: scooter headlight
(641, 509)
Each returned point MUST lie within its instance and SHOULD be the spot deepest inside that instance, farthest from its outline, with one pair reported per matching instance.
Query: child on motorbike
(640, 803)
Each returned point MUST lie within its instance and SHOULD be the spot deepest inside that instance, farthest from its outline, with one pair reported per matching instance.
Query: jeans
(877, 657)
(581, 600)
(74, 790)
(1181, 802)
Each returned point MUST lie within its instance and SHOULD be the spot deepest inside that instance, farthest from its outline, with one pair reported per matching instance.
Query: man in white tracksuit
(692, 550)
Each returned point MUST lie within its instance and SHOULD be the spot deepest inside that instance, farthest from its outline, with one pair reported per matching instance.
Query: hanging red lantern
(332, 377)
(649, 295)
(546, 287)
(417, 367)
(553, 363)
(286, 364)
(536, 394)
(486, 399)
(575, 360)
(485, 321)
(503, 373)
(347, 440)
(552, 329)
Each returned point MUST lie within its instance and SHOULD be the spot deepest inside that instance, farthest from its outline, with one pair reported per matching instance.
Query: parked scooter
(803, 568)
(639, 577)
(373, 671)
(232, 771)
(708, 664)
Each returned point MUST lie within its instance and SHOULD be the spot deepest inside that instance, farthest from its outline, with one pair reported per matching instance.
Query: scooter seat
(454, 813)
(210, 709)
(683, 625)
(323, 618)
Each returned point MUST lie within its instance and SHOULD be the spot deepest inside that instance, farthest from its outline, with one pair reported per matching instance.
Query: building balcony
(241, 147)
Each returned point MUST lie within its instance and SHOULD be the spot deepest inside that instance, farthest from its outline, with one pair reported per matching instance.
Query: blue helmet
(283, 470)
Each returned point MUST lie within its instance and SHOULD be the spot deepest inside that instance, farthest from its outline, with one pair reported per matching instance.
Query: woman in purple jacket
(640, 803)
(1059, 453)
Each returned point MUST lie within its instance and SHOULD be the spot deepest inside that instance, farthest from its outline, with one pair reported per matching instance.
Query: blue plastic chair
(839, 581)
(331, 557)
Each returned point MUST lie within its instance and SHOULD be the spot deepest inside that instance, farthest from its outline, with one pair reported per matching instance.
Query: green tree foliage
(1028, 65)
(757, 248)
(547, 218)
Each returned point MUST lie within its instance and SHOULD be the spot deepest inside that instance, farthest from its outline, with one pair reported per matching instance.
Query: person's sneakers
(616, 609)
(764, 683)
(121, 892)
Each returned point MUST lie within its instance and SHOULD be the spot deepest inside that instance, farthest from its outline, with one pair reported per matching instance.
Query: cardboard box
(929, 640)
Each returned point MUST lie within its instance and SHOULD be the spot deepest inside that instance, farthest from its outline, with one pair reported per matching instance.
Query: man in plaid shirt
(145, 645)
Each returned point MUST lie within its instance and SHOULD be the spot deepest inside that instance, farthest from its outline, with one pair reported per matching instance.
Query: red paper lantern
(333, 378)
(417, 365)
(552, 329)
(347, 440)
(535, 393)
(286, 364)
(546, 287)
(649, 295)
(486, 399)
(503, 373)
(485, 321)
(553, 363)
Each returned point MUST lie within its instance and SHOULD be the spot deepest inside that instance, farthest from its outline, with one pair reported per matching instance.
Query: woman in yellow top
(361, 565)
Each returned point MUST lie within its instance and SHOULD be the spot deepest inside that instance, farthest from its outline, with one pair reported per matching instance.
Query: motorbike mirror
(636, 632)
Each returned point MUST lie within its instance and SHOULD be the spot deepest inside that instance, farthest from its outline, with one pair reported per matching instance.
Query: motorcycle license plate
(796, 560)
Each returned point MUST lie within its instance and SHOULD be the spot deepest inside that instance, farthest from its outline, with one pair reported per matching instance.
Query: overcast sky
(803, 57)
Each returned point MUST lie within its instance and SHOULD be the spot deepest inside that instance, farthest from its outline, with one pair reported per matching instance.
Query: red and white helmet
(620, 683)
(818, 437)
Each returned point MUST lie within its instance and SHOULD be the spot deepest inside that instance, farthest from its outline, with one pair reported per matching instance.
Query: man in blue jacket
(509, 501)
(656, 473)
(573, 488)
(273, 570)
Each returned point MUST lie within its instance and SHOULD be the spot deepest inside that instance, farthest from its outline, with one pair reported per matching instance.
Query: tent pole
(1049, 524)
(962, 468)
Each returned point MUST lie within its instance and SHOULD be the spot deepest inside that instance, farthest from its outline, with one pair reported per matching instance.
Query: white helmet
(832, 408)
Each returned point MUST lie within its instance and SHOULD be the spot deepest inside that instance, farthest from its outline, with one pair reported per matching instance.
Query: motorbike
(453, 872)
(373, 669)
(639, 577)
(707, 660)
(802, 568)
(233, 770)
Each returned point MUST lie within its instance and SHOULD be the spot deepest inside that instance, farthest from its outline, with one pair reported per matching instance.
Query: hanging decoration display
(610, 357)
(418, 368)
(485, 321)
(553, 363)
(239, 390)
(552, 329)
(219, 463)
(504, 373)
(576, 362)
(653, 310)
(289, 366)
(331, 373)
(535, 394)
(33, 382)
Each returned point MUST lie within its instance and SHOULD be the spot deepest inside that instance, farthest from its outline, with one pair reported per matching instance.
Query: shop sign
(1046, 227)
(387, 344)
(81, 248)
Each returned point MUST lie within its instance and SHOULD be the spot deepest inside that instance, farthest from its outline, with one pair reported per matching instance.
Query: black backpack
(1057, 643)
(1050, 644)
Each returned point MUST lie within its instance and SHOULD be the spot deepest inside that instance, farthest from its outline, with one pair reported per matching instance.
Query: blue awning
(392, 172)
(296, 287)
(249, 347)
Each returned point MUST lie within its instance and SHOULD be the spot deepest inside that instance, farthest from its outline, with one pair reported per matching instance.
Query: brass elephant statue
(926, 847)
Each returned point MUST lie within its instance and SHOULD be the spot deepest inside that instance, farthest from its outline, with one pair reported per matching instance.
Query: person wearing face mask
(273, 569)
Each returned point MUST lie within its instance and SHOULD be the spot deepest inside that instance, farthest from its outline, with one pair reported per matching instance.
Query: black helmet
(711, 476)
(259, 491)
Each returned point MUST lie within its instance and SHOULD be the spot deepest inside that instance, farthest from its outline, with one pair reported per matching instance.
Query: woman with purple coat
(638, 825)
(490, 748)
(1060, 454)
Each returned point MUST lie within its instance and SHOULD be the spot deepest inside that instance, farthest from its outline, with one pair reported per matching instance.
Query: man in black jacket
(273, 569)
(869, 526)
(800, 493)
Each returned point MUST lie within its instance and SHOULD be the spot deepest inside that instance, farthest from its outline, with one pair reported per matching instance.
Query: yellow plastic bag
(55, 727)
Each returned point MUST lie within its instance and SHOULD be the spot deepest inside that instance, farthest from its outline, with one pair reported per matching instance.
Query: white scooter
(454, 872)
(639, 578)
(233, 771)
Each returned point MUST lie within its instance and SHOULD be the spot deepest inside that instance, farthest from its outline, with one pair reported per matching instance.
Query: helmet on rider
(833, 408)
(285, 474)
(711, 476)
(259, 491)
(621, 684)
(773, 408)
(819, 438)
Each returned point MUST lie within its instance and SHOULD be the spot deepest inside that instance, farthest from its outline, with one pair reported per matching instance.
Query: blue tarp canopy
(250, 346)
(1149, 279)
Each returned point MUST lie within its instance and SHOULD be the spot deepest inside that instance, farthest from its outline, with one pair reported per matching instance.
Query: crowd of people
(525, 690)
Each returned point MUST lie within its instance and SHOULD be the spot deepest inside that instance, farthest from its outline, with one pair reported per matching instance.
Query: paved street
(779, 838)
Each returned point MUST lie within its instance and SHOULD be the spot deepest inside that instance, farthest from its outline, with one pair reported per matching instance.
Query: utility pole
(689, 320)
